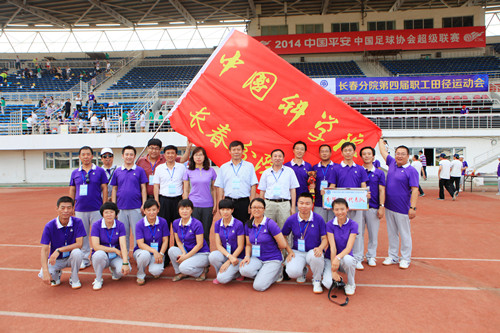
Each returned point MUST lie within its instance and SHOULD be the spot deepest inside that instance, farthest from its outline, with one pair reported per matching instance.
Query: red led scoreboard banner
(418, 39)
(246, 92)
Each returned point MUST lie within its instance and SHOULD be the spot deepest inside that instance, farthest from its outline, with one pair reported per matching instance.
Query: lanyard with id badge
(84, 188)
(152, 175)
(65, 254)
(111, 255)
(228, 246)
(181, 229)
(276, 192)
(301, 242)
(324, 182)
(171, 186)
(255, 246)
(236, 182)
(152, 230)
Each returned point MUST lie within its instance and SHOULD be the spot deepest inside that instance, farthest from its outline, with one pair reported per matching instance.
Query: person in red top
(154, 158)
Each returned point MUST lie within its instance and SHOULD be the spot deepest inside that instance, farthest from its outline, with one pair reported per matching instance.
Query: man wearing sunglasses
(107, 159)
(88, 186)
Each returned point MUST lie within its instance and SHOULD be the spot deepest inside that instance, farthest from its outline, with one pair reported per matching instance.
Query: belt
(171, 198)
(236, 200)
(278, 200)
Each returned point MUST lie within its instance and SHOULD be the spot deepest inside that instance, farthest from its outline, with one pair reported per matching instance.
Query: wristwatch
(414, 208)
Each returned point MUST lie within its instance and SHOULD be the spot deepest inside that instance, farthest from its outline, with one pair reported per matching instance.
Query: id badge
(255, 250)
(324, 184)
(154, 246)
(111, 255)
(151, 179)
(236, 184)
(65, 254)
(228, 248)
(171, 188)
(277, 191)
(84, 188)
(301, 245)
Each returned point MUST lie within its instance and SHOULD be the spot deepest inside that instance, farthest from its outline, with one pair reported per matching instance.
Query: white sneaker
(303, 278)
(372, 262)
(83, 265)
(359, 266)
(97, 284)
(75, 285)
(498, 193)
(389, 261)
(317, 289)
(349, 290)
(55, 283)
(403, 264)
(280, 276)
(114, 277)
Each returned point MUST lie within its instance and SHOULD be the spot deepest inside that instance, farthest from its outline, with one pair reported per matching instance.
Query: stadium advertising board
(417, 39)
(412, 84)
(327, 83)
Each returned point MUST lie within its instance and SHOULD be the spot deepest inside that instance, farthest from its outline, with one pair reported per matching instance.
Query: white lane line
(135, 323)
(284, 282)
(19, 245)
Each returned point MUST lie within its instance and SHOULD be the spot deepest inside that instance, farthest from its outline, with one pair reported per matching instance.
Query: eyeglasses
(106, 156)
(259, 208)
(154, 148)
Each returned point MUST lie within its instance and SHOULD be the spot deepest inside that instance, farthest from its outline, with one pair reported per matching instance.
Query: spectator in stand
(94, 123)
(67, 108)
(2, 105)
(105, 124)
(91, 100)
(24, 126)
(142, 121)
(151, 117)
(444, 177)
(415, 162)
(108, 66)
(160, 120)
(29, 124)
(465, 165)
(18, 62)
(68, 73)
(125, 120)
(464, 110)
(78, 102)
(132, 119)
(456, 173)
(423, 159)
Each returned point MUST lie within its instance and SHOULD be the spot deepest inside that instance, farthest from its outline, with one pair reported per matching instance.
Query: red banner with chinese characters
(417, 39)
(246, 92)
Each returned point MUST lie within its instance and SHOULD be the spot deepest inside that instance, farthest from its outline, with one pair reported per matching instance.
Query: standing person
(300, 167)
(444, 177)
(108, 240)
(190, 256)
(67, 109)
(456, 173)
(415, 162)
(168, 186)
(309, 242)
(341, 233)
(237, 181)
(150, 162)
(94, 121)
(142, 121)
(18, 62)
(129, 191)
(230, 242)
(62, 240)
(78, 103)
(88, 186)
(2, 104)
(423, 159)
(125, 121)
(400, 204)
(349, 174)
(199, 188)
(465, 165)
(376, 209)
(264, 242)
(91, 100)
(323, 172)
(151, 118)
(107, 159)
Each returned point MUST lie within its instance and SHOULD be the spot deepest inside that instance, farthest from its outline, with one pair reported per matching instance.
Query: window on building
(345, 27)
(432, 154)
(458, 21)
(66, 160)
(419, 24)
(381, 25)
(269, 30)
(308, 28)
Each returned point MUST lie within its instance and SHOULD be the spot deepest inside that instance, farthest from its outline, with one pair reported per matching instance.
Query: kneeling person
(309, 242)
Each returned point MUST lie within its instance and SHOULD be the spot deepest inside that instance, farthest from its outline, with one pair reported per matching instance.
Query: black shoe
(285, 275)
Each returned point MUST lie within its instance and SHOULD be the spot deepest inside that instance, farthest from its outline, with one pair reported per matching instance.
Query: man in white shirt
(444, 177)
(415, 162)
(456, 173)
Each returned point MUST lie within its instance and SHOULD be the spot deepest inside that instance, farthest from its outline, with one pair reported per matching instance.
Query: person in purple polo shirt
(62, 240)
(191, 257)
(349, 174)
(89, 187)
(400, 204)
(230, 242)
(465, 165)
(129, 191)
(341, 233)
(108, 240)
(498, 174)
(199, 187)
(376, 209)
(323, 173)
(152, 234)
(264, 242)
(309, 242)
(299, 166)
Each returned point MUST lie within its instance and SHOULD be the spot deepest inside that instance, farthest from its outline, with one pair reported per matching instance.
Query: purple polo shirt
(311, 229)
(376, 177)
(201, 182)
(341, 235)
(187, 234)
(144, 230)
(400, 180)
(346, 176)
(376, 163)
(108, 237)
(301, 174)
(129, 182)
(230, 234)
(465, 165)
(322, 173)
(498, 170)
(265, 233)
(93, 200)
(58, 236)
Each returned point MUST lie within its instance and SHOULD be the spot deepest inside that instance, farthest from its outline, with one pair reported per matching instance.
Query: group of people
(280, 232)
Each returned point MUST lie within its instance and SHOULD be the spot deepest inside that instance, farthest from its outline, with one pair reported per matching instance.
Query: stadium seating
(330, 69)
(16, 83)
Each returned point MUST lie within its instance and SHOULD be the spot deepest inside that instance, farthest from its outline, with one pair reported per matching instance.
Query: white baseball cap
(106, 150)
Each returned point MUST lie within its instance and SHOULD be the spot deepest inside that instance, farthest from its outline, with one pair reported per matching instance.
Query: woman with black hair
(264, 242)
(190, 256)
(152, 234)
(199, 188)
(230, 241)
(110, 247)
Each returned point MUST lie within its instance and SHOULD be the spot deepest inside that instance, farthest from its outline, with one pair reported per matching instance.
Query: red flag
(248, 93)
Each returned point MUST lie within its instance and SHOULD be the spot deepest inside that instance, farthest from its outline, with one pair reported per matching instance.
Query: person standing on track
(456, 173)
(423, 159)
(323, 170)
(62, 240)
(150, 162)
(415, 162)
(400, 204)
(300, 167)
(88, 186)
(444, 178)
(465, 165)
(109, 168)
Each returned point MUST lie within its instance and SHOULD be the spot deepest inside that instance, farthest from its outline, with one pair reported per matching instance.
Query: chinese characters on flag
(246, 92)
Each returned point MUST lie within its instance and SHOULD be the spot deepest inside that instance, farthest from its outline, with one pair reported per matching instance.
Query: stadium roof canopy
(125, 13)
